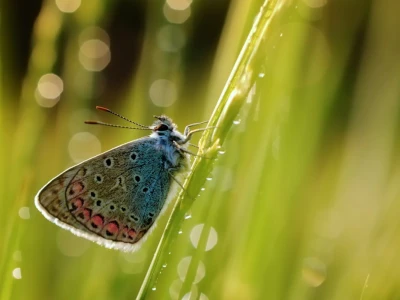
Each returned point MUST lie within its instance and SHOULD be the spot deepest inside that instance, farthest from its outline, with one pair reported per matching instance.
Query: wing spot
(134, 218)
(76, 188)
(97, 221)
(93, 194)
(123, 208)
(112, 207)
(76, 203)
(120, 182)
(131, 234)
(111, 229)
(54, 209)
(137, 178)
(145, 190)
(82, 172)
(98, 202)
(108, 162)
(85, 214)
(63, 216)
(98, 178)
(133, 156)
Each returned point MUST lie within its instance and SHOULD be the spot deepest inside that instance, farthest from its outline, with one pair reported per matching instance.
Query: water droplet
(221, 152)
(202, 189)
(211, 240)
(188, 216)
(183, 267)
(180, 232)
(281, 35)
(209, 178)
(154, 288)
(237, 122)
(261, 75)
(164, 265)
(16, 273)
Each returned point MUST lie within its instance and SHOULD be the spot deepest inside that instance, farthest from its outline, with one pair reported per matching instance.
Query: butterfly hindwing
(113, 198)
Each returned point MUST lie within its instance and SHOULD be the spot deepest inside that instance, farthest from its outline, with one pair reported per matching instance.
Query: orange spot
(98, 220)
(76, 203)
(132, 234)
(77, 187)
(84, 214)
(87, 213)
(112, 227)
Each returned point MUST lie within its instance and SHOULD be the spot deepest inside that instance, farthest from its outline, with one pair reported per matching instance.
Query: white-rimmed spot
(98, 178)
(133, 156)
(108, 162)
(93, 194)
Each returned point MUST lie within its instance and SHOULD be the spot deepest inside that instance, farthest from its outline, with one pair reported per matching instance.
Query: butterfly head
(165, 129)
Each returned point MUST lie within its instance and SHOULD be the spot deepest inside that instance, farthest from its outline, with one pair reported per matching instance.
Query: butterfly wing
(112, 199)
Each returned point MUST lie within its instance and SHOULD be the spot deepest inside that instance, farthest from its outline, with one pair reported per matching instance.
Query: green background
(301, 199)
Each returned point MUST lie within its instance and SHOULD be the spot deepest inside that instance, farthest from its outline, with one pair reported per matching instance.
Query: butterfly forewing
(113, 198)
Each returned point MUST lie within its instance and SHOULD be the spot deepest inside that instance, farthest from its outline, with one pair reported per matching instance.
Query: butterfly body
(115, 198)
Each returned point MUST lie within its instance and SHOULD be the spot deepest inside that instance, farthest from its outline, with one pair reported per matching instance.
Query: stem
(229, 103)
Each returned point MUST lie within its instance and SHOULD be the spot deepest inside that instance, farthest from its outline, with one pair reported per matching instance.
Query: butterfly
(115, 198)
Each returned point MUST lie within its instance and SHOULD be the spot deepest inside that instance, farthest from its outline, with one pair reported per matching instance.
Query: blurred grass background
(303, 199)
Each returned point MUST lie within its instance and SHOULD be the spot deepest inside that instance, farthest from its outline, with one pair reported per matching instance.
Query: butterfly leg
(174, 178)
(177, 181)
(188, 152)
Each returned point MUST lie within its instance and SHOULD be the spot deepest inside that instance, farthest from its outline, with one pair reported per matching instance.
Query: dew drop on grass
(237, 122)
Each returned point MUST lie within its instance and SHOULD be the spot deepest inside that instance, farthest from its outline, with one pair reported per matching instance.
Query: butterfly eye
(162, 127)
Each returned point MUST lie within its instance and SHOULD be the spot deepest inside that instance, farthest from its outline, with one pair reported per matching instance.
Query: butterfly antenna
(113, 125)
(118, 115)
